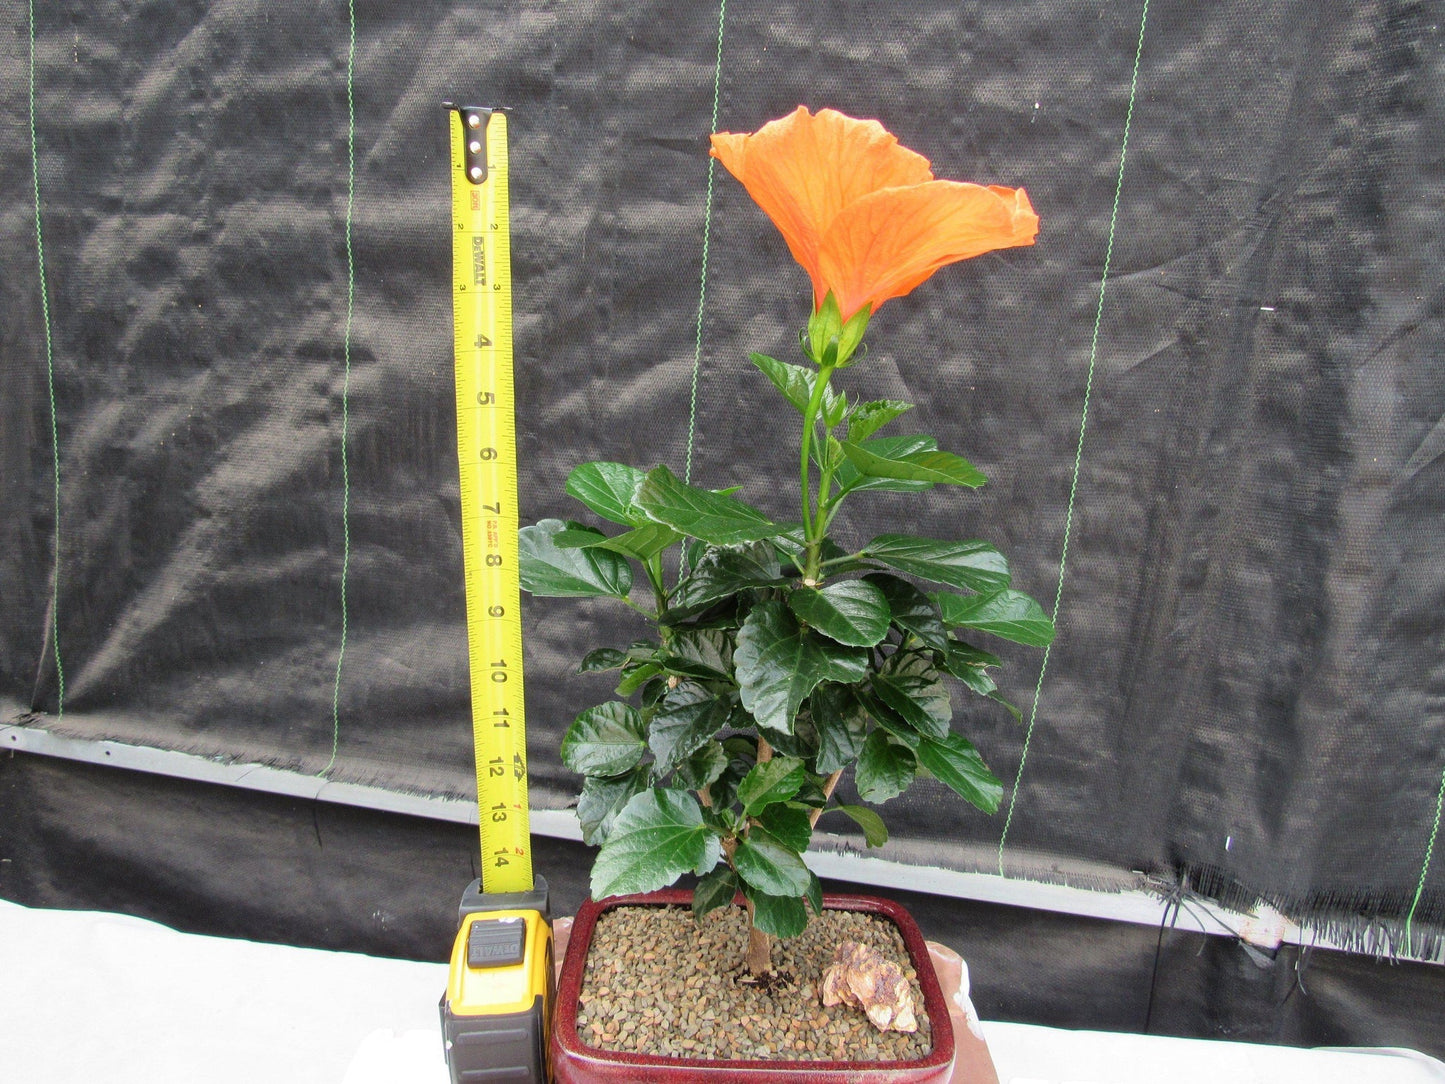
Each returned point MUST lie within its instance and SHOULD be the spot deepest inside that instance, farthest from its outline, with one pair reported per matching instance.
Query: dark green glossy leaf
(779, 916)
(912, 610)
(911, 686)
(687, 717)
(795, 382)
(703, 767)
(642, 542)
(956, 763)
(658, 836)
(575, 536)
(841, 724)
(602, 799)
(778, 664)
(814, 895)
(885, 768)
(700, 513)
(961, 654)
(976, 678)
(606, 740)
(801, 743)
(1011, 615)
(602, 659)
(850, 480)
(853, 612)
(607, 489)
(768, 866)
(897, 727)
(974, 565)
(875, 832)
(868, 418)
(636, 677)
(716, 889)
(724, 571)
(706, 653)
(774, 780)
(549, 571)
(788, 824)
(941, 468)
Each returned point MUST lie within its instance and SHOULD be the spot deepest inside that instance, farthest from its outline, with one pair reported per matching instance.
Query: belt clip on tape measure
(496, 1012)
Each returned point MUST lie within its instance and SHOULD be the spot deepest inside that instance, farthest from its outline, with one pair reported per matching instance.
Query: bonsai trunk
(760, 948)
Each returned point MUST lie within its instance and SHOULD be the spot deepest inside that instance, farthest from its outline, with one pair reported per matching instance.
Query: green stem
(810, 421)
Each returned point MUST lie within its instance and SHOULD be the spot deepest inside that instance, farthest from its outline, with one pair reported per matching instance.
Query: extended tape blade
(487, 462)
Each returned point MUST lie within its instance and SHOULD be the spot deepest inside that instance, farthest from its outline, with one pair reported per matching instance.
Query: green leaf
(642, 543)
(687, 717)
(549, 571)
(868, 418)
(1009, 614)
(778, 664)
(875, 832)
(956, 763)
(814, 895)
(788, 824)
(912, 687)
(602, 659)
(912, 610)
(850, 480)
(974, 565)
(768, 866)
(794, 381)
(841, 723)
(602, 799)
(801, 743)
(705, 653)
(607, 489)
(774, 780)
(658, 837)
(885, 768)
(635, 677)
(606, 740)
(576, 536)
(717, 889)
(723, 572)
(961, 654)
(701, 513)
(942, 468)
(703, 767)
(853, 612)
(779, 916)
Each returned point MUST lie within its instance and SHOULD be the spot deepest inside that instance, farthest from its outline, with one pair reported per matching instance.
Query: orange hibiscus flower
(862, 213)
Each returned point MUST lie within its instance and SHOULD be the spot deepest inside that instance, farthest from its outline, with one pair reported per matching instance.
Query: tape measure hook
(474, 142)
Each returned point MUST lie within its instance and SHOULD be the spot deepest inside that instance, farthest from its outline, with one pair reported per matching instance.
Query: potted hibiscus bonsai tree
(777, 657)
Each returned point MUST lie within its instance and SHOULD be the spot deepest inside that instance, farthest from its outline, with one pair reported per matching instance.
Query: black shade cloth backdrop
(1246, 688)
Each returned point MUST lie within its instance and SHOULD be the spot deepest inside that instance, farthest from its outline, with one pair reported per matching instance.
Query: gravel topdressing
(659, 982)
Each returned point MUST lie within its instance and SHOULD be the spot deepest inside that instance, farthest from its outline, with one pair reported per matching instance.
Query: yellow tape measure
(487, 457)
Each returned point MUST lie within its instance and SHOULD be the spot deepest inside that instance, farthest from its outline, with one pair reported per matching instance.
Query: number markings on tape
(487, 459)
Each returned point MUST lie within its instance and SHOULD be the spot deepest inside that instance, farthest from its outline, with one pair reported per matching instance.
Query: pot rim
(569, 990)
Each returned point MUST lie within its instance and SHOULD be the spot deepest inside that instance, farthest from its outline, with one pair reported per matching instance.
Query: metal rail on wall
(833, 856)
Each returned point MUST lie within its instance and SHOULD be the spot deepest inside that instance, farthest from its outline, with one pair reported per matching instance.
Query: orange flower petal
(802, 170)
(886, 243)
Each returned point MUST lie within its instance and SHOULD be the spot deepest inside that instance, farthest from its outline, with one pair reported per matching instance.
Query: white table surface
(90, 996)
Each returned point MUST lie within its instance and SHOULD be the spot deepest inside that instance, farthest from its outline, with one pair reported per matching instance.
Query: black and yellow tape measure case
(496, 1012)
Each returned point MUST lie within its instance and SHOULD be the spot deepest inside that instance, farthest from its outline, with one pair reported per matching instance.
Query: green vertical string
(706, 230)
(49, 379)
(1425, 867)
(1083, 426)
(346, 374)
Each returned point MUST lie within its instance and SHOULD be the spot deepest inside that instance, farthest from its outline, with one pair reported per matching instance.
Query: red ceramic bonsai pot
(574, 1062)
